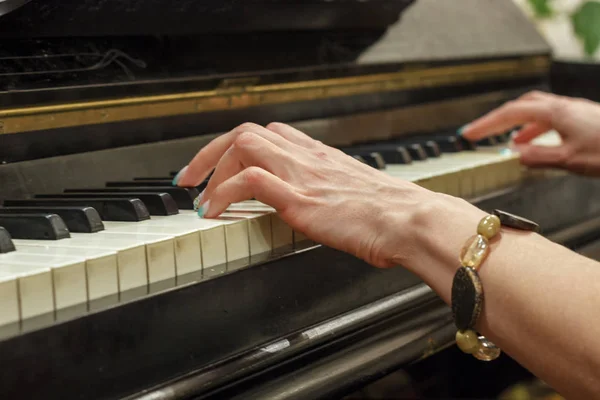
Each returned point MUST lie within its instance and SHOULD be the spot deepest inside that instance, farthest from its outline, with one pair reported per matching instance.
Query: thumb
(543, 156)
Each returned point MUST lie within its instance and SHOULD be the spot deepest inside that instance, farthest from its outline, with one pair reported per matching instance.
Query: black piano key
(110, 209)
(153, 178)
(373, 159)
(77, 219)
(142, 183)
(432, 149)
(156, 203)
(467, 144)
(35, 226)
(416, 151)
(139, 183)
(503, 138)
(395, 155)
(6, 243)
(488, 141)
(449, 144)
(184, 197)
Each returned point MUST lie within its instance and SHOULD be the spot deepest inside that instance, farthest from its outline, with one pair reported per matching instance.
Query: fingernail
(203, 209)
(460, 130)
(179, 175)
(198, 200)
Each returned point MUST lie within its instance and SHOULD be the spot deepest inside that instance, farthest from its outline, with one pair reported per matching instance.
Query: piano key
(35, 226)
(68, 281)
(100, 266)
(153, 178)
(282, 235)
(188, 252)
(503, 138)
(160, 253)
(149, 182)
(260, 236)
(467, 144)
(449, 144)
(131, 260)
(29, 287)
(113, 209)
(489, 141)
(6, 243)
(9, 298)
(432, 149)
(417, 152)
(222, 240)
(156, 203)
(77, 219)
(372, 159)
(183, 197)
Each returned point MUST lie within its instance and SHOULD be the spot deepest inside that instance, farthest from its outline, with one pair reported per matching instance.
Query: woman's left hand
(327, 195)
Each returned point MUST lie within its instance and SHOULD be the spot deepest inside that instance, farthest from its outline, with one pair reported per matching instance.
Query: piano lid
(169, 17)
(436, 50)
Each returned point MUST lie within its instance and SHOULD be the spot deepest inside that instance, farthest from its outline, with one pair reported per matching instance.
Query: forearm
(541, 300)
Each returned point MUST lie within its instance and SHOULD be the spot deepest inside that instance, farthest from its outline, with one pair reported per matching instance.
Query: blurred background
(572, 28)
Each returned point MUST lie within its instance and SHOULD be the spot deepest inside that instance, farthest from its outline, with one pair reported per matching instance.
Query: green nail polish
(178, 176)
(460, 130)
(203, 209)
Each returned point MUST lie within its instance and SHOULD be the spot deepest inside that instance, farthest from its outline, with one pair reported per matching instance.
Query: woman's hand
(576, 120)
(320, 191)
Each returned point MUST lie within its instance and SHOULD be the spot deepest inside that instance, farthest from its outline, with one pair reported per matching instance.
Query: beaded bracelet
(467, 291)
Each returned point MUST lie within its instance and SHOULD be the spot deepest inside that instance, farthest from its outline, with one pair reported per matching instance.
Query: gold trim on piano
(248, 92)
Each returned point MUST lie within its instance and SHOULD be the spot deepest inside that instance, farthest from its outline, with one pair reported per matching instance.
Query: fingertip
(179, 176)
(462, 130)
(204, 209)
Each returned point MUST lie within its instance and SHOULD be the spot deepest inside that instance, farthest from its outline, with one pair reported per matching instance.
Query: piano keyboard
(81, 250)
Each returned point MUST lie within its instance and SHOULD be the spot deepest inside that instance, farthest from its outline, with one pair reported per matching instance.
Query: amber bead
(487, 351)
(489, 226)
(467, 341)
(474, 251)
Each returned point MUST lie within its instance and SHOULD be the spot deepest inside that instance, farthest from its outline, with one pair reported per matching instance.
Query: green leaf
(586, 24)
(541, 8)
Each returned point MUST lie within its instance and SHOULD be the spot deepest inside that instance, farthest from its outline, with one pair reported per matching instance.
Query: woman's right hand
(576, 120)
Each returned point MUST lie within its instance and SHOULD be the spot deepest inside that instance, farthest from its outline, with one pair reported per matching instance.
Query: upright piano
(111, 287)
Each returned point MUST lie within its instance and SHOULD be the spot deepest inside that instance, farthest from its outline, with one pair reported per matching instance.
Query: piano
(110, 285)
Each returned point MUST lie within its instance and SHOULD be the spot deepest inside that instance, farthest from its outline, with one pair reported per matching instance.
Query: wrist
(438, 227)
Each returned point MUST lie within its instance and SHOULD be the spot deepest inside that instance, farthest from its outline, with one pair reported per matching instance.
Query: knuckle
(245, 139)
(276, 126)
(253, 176)
(247, 126)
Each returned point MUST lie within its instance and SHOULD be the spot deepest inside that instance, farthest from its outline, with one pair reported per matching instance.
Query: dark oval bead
(467, 298)
(516, 222)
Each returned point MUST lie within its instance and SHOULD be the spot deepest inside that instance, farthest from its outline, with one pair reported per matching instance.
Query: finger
(252, 182)
(543, 156)
(508, 116)
(530, 132)
(248, 150)
(209, 156)
(292, 134)
(537, 95)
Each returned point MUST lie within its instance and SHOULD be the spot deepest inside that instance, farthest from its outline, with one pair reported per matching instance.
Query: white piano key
(36, 294)
(9, 298)
(259, 234)
(69, 280)
(160, 252)
(221, 240)
(101, 265)
(131, 259)
(188, 256)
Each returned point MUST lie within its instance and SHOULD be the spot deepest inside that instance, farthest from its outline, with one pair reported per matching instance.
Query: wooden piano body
(301, 322)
